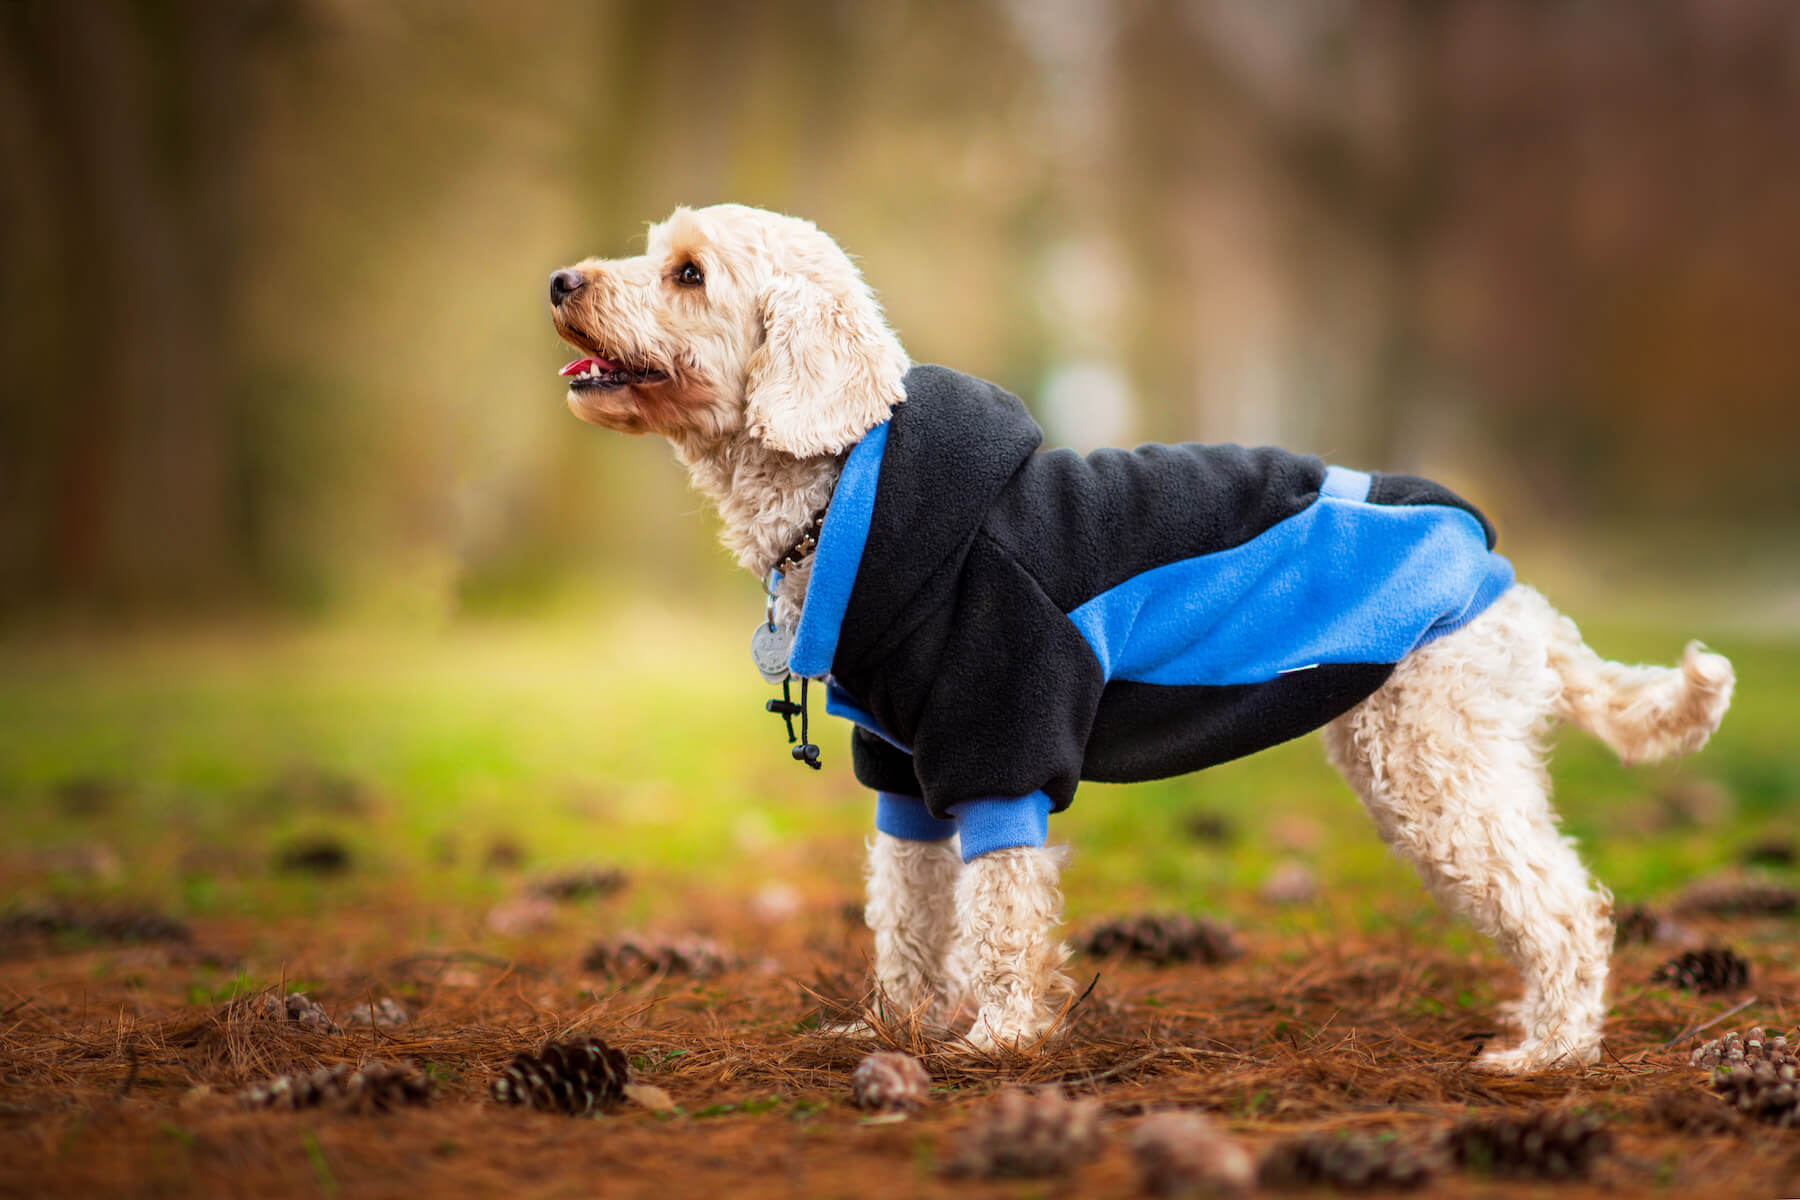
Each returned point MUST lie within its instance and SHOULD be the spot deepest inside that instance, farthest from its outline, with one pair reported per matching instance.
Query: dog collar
(770, 644)
(805, 544)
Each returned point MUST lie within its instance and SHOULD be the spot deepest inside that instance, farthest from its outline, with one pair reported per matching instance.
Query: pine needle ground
(458, 769)
(120, 1078)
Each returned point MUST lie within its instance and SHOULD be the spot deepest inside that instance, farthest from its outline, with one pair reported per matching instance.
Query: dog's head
(735, 319)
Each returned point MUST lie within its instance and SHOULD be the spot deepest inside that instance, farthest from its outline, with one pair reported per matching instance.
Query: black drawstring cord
(805, 752)
(785, 707)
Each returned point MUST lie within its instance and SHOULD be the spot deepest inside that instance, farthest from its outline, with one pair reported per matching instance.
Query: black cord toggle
(787, 710)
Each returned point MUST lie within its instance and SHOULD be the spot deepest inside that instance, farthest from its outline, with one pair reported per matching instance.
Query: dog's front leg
(912, 911)
(1008, 904)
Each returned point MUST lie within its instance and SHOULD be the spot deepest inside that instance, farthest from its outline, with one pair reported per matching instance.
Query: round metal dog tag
(769, 647)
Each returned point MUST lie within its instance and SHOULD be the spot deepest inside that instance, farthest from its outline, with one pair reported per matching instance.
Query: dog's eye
(688, 275)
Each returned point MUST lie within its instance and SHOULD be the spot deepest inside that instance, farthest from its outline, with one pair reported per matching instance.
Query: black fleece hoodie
(1000, 621)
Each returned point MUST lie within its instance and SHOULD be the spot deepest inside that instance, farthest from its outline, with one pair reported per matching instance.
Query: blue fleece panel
(906, 817)
(998, 823)
(838, 558)
(1342, 581)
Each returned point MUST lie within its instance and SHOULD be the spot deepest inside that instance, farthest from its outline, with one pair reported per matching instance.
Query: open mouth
(604, 375)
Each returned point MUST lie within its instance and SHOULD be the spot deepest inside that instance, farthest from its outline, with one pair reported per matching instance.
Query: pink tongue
(582, 364)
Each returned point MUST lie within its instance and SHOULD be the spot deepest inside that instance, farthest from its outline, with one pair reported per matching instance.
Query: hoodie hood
(957, 441)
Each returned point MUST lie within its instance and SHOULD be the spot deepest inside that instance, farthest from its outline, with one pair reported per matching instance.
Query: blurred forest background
(325, 628)
(274, 337)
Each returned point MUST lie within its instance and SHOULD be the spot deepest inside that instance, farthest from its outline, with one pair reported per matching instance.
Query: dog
(1001, 621)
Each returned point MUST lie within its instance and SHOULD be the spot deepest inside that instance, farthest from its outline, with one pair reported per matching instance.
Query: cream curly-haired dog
(1009, 652)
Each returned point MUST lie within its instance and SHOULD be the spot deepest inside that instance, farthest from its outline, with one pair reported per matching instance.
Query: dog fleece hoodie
(1001, 623)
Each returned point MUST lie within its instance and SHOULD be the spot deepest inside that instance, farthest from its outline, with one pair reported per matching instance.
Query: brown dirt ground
(113, 1081)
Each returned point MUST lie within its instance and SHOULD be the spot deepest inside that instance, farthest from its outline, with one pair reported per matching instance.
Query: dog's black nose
(564, 284)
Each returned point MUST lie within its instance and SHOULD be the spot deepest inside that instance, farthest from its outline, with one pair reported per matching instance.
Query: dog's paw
(1532, 1057)
(848, 1029)
(994, 1033)
(980, 1040)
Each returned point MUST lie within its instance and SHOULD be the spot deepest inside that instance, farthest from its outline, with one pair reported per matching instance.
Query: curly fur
(912, 912)
(782, 361)
(1008, 906)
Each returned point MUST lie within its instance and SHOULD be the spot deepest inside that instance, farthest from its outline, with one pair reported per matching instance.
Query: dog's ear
(828, 371)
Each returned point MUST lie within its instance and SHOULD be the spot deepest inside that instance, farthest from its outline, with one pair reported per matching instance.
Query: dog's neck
(765, 499)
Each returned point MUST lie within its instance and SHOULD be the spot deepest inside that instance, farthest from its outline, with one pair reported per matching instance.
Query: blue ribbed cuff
(907, 817)
(998, 823)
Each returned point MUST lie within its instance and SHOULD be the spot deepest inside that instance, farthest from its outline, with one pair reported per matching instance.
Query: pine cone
(1291, 882)
(1714, 969)
(1185, 1154)
(1734, 1050)
(297, 1006)
(88, 795)
(1161, 938)
(1735, 896)
(890, 1081)
(1762, 1089)
(694, 957)
(138, 927)
(503, 854)
(1213, 828)
(1350, 1161)
(1638, 923)
(374, 1087)
(1544, 1144)
(1024, 1134)
(1693, 1114)
(303, 786)
(105, 924)
(581, 883)
(382, 1012)
(576, 1078)
(324, 854)
(1770, 852)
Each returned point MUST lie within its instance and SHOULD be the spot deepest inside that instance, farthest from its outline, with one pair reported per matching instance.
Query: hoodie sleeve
(1015, 697)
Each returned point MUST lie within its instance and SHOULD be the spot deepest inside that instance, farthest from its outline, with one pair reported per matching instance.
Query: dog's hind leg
(912, 911)
(1447, 757)
(1009, 904)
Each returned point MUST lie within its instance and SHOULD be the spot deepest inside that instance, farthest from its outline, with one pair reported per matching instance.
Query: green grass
(638, 738)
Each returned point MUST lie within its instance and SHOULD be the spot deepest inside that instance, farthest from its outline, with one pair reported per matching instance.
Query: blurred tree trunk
(138, 108)
(1377, 182)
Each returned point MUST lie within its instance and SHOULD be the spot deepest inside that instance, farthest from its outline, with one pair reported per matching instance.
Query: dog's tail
(1643, 713)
